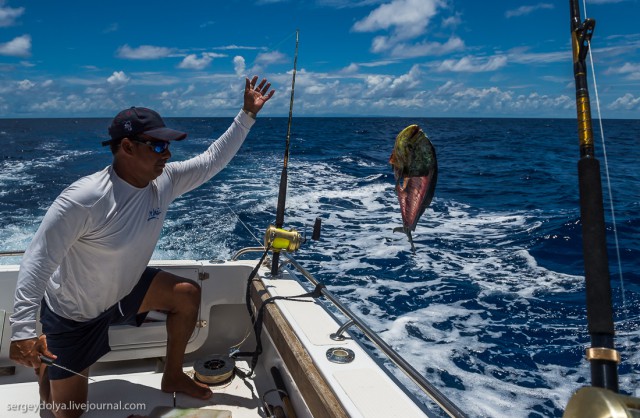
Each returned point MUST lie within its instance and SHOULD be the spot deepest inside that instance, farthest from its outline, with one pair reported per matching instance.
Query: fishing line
(243, 224)
(282, 189)
(237, 346)
(272, 48)
(606, 168)
(609, 189)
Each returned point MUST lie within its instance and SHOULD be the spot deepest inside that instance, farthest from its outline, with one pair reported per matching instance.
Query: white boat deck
(116, 391)
(127, 380)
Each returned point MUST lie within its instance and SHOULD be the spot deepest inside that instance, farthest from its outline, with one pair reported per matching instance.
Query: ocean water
(490, 307)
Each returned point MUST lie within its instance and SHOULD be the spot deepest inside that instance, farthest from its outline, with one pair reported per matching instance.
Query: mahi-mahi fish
(416, 171)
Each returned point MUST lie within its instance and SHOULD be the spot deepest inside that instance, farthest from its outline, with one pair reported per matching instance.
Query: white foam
(438, 307)
(478, 249)
(373, 271)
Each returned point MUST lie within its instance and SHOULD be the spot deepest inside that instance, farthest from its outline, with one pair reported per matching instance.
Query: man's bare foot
(184, 384)
(43, 383)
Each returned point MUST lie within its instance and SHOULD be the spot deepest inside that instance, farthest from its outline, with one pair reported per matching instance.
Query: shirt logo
(154, 214)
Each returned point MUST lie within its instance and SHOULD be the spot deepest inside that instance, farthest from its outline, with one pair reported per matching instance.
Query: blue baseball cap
(141, 120)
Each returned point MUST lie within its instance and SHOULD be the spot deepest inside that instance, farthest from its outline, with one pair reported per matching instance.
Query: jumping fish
(416, 171)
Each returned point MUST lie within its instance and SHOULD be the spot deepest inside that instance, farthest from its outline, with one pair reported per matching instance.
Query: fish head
(413, 154)
(401, 149)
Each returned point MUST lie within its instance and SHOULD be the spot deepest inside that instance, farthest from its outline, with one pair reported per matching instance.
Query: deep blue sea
(490, 307)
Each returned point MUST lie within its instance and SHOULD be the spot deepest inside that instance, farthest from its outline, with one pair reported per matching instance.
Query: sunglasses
(157, 146)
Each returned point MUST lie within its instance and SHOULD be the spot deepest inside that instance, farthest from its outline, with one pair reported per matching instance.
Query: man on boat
(86, 267)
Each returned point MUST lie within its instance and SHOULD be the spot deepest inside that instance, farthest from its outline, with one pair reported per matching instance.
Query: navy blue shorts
(80, 344)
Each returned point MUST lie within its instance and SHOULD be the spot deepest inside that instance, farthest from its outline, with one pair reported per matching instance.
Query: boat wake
(490, 307)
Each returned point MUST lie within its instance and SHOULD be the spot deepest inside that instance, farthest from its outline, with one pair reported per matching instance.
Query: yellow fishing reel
(280, 239)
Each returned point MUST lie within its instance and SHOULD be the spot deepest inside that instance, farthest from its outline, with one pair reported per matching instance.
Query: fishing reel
(279, 239)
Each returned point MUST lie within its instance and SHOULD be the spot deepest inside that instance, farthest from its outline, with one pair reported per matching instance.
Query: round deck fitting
(214, 369)
(340, 355)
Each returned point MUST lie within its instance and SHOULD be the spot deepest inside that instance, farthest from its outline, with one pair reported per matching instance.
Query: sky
(413, 58)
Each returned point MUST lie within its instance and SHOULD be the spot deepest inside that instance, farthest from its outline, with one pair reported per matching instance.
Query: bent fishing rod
(282, 192)
(602, 356)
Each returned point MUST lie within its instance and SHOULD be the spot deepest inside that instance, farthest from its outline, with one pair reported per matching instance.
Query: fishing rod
(601, 399)
(602, 355)
(282, 192)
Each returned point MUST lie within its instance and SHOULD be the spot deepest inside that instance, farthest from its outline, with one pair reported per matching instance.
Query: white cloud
(448, 88)
(95, 91)
(356, 93)
(632, 71)
(626, 102)
(192, 62)
(452, 21)
(54, 104)
(341, 4)
(111, 28)
(233, 47)
(268, 58)
(557, 79)
(408, 18)
(628, 68)
(150, 78)
(536, 101)
(457, 98)
(423, 49)
(18, 47)
(356, 89)
(604, 1)
(189, 90)
(265, 59)
(377, 63)
(25, 85)
(72, 103)
(385, 85)
(321, 88)
(143, 52)
(8, 15)
(239, 65)
(525, 10)
(118, 78)
(471, 64)
(352, 68)
(481, 98)
(520, 56)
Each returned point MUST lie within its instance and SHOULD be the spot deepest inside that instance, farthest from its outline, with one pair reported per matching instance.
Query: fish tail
(407, 231)
(413, 247)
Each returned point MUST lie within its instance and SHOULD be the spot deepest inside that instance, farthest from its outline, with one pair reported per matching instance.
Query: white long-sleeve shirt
(99, 234)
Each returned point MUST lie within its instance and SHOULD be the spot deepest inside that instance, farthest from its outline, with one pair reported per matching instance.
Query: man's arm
(60, 227)
(189, 174)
